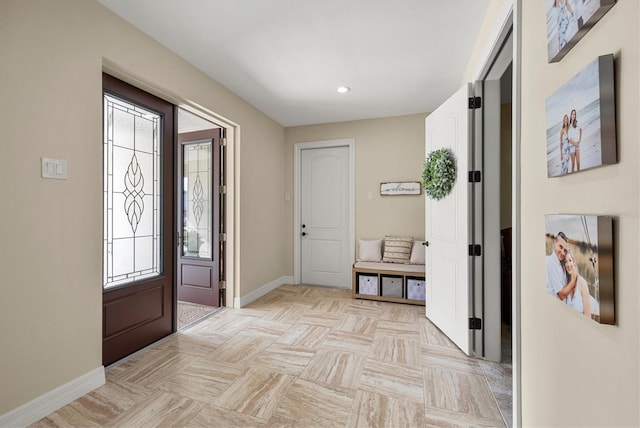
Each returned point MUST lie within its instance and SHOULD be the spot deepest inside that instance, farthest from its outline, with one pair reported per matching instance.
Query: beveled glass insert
(132, 178)
(197, 197)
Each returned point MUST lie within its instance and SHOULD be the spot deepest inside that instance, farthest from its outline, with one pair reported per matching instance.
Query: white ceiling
(287, 57)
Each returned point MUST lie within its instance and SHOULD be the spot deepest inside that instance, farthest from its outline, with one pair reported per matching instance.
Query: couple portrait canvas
(581, 124)
(568, 21)
(579, 264)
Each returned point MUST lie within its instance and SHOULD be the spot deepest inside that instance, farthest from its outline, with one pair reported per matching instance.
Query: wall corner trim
(53, 400)
(240, 302)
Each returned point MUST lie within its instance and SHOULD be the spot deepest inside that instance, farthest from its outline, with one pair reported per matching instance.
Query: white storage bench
(389, 282)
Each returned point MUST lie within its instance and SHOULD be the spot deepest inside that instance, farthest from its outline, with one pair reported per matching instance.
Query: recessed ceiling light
(343, 89)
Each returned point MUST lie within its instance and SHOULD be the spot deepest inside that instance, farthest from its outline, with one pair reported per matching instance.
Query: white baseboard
(240, 302)
(42, 406)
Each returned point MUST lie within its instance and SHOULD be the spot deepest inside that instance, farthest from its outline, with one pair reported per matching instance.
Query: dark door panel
(138, 297)
(197, 285)
(119, 318)
(133, 320)
(198, 252)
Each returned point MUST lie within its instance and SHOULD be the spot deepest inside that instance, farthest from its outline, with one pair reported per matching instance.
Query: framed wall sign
(400, 188)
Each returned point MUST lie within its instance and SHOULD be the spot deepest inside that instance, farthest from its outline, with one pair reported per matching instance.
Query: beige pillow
(418, 254)
(369, 250)
(397, 249)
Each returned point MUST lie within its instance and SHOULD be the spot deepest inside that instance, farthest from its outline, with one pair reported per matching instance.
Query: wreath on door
(439, 173)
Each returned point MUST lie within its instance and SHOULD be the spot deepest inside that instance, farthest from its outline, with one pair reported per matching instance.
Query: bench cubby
(389, 282)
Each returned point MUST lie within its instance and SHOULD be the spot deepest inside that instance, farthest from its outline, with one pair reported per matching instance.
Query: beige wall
(484, 40)
(574, 371)
(52, 56)
(387, 149)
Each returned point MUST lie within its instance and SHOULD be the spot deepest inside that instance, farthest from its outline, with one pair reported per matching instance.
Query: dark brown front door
(199, 219)
(139, 256)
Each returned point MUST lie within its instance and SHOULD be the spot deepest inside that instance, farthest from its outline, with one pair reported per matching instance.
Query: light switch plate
(54, 168)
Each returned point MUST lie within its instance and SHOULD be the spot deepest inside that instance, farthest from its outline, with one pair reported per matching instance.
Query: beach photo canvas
(569, 20)
(579, 264)
(581, 121)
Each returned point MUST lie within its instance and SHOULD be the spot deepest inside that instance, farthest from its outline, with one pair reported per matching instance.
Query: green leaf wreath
(439, 173)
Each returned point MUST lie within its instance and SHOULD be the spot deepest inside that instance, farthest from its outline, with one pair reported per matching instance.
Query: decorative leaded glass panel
(132, 179)
(197, 197)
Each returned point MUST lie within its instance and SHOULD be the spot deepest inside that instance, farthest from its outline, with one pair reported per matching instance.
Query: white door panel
(442, 226)
(325, 255)
(446, 296)
(324, 217)
(447, 225)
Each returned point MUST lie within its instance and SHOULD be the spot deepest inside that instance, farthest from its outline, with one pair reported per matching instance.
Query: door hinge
(475, 250)
(223, 237)
(475, 324)
(223, 142)
(475, 176)
(223, 285)
(475, 102)
(223, 190)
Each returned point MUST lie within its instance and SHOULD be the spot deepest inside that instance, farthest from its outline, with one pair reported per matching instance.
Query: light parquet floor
(300, 356)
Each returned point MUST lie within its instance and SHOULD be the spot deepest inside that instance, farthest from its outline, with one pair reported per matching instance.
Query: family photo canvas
(580, 120)
(568, 21)
(579, 264)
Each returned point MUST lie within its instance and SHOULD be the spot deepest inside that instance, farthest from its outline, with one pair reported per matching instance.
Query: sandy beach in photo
(590, 146)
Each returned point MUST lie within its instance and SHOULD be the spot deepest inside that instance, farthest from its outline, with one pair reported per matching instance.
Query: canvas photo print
(568, 21)
(579, 264)
(580, 120)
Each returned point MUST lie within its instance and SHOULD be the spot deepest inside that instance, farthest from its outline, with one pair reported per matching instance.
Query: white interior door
(448, 228)
(324, 217)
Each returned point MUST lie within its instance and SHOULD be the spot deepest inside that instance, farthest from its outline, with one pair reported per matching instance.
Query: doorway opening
(506, 206)
(138, 257)
(496, 81)
(498, 366)
(141, 213)
(469, 231)
(200, 213)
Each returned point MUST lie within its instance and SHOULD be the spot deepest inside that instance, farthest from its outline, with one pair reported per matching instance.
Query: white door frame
(488, 275)
(297, 200)
(232, 205)
(510, 17)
